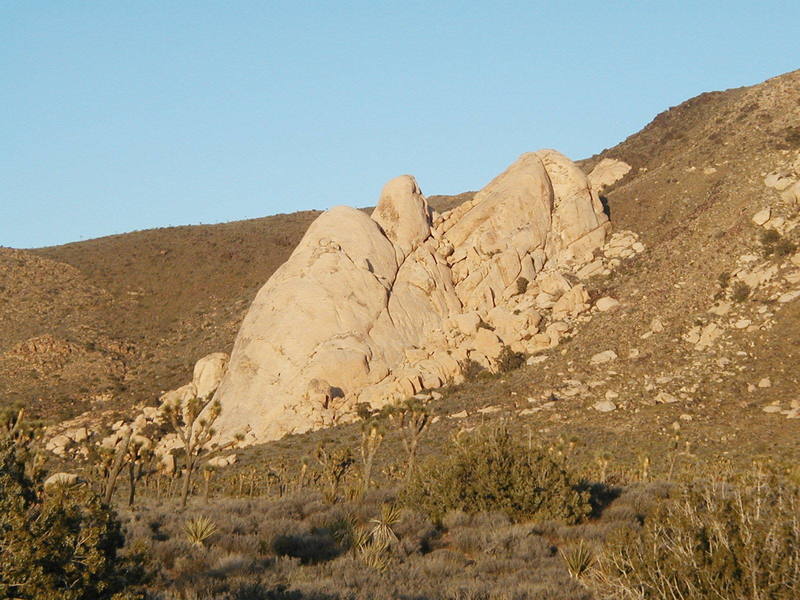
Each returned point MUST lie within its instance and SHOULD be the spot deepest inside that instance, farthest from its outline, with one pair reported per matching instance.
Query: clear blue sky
(117, 115)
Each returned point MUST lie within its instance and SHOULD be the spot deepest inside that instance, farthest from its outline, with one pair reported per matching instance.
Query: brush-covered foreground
(495, 516)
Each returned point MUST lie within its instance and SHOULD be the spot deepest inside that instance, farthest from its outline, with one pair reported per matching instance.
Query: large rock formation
(375, 309)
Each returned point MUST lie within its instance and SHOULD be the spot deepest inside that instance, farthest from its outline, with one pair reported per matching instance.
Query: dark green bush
(723, 541)
(522, 285)
(472, 369)
(741, 292)
(784, 248)
(61, 544)
(492, 471)
(509, 360)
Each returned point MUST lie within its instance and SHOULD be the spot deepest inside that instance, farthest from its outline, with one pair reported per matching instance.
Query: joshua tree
(193, 420)
(23, 434)
(131, 448)
(140, 456)
(118, 458)
(412, 418)
(335, 465)
(372, 434)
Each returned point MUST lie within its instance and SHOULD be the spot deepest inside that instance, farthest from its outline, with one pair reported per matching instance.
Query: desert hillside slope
(125, 317)
(120, 319)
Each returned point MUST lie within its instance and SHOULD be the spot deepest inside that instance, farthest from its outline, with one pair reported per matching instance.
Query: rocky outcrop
(607, 172)
(376, 309)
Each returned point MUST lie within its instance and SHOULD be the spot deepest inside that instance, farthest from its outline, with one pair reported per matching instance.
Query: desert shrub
(472, 369)
(415, 532)
(773, 244)
(509, 360)
(724, 279)
(741, 292)
(792, 137)
(311, 547)
(61, 544)
(492, 471)
(522, 285)
(714, 540)
(785, 247)
(578, 559)
(769, 239)
(199, 530)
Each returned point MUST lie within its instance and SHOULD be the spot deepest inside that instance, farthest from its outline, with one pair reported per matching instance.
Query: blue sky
(119, 116)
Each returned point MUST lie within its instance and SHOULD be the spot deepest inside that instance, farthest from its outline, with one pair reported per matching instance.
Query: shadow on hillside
(600, 496)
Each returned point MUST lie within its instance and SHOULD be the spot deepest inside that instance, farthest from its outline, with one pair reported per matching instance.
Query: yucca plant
(382, 527)
(369, 544)
(199, 530)
(579, 559)
(374, 554)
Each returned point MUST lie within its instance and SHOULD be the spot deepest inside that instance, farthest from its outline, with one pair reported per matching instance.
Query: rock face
(375, 309)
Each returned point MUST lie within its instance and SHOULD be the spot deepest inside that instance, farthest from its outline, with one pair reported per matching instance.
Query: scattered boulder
(208, 373)
(665, 398)
(762, 216)
(219, 462)
(606, 304)
(604, 406)
(789, 296)
(792, 193)
(572, 303)
(607, 172)
(603, 357)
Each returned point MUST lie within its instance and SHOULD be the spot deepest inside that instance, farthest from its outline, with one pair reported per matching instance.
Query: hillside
(123, 318)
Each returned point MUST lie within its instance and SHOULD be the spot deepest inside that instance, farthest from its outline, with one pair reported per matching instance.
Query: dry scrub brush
(735, 540)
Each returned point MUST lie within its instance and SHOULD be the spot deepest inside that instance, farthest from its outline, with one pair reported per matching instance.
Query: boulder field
(378, 308)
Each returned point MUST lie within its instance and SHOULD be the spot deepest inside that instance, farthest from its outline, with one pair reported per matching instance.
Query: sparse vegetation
(483, 520)
(373, 430)
(336, 464)
(509, 360)
(412, 419)
(472, 369)
(522, 285)
(740, 292)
